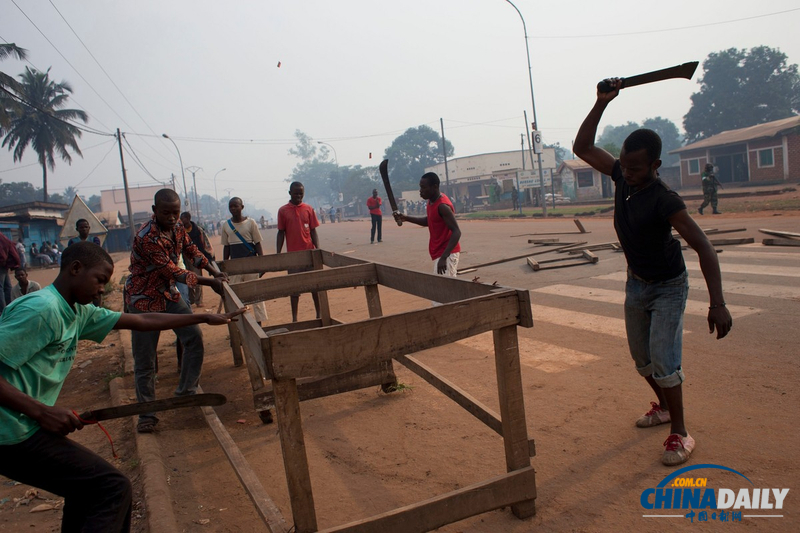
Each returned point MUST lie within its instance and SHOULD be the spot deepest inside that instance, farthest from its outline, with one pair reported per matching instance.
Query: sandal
(146, 425)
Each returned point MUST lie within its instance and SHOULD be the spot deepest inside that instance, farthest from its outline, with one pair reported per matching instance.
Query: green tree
(8, 105)
(14, 193)
(616, 135)
(42, 122)
(611, 148)
(671, 138)
(413, 151)
(93, 203)
(561, 153)
(742, 88)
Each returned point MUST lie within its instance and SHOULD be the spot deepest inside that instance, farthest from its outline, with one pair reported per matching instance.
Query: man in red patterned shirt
(151, 288)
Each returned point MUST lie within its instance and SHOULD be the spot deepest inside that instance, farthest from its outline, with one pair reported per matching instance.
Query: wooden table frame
(289, 358)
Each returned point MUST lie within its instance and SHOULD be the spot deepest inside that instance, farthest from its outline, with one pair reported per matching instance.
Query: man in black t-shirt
(645, 211)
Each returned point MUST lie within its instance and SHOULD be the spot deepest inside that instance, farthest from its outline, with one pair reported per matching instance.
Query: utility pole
(127, 192)
(193, 170)
(444, 151)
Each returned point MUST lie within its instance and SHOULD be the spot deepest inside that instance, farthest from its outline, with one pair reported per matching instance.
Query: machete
(680, 71)
(384, 168)
(194, 400)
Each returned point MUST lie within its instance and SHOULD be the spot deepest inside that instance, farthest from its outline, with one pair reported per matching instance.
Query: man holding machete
(39, 334)
(645, 211)
(440, 219)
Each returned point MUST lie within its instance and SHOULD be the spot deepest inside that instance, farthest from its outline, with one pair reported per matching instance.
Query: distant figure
(514, 198)
(374, 204)
(20, 246)
(297, 225)
(321, 215)
(710, 184)
(9, 260)
(83, 227)
(24, 285)
(263, 222)
(440, 219)
(332, 213)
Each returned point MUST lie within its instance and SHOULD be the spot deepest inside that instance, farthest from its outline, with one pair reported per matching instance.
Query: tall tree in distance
(8, 104)
(41, 122)
(742, 88)
(411, 152)
(671, 138)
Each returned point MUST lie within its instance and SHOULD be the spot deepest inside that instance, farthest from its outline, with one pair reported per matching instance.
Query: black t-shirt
(640, 219)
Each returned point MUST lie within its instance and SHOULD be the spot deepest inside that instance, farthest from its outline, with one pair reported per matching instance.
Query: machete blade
(194, 400)
(685, 70)
(384, 170)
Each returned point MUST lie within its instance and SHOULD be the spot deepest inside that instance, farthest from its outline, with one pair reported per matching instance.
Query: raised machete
(384, 168)
(685, 70)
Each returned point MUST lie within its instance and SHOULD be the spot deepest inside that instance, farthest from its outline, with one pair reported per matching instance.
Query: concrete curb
(157, 496)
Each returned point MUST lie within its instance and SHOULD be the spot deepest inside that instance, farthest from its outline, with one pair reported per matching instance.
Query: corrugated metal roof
(759, 131)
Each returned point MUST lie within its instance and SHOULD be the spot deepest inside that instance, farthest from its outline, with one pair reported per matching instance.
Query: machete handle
(399, 222)
(605, 87)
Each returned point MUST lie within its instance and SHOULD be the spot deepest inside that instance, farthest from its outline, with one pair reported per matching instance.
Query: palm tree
(7, 104)
(42, 123)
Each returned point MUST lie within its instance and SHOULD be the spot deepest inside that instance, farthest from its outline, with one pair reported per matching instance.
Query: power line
(138, 161)
(19, 167)
(663, 30)
(107, 75)
(97, 165)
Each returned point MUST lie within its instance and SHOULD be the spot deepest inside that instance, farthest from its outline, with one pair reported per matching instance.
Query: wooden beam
(440, 289)
(723, 242)
(322, 296)
(338, 349)
(295, 461)
(781, 242)
(782, 234)
(512, 408)
(265, 507)
(580, 225)
(523, 256)
(333, 260)
(267, 263)
(260, 290)
(430, 514)
(458, 395)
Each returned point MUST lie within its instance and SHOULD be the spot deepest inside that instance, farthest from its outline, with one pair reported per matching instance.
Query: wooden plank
(265, 507)
(260, 290)
(543, 241)
(723, 242)
(782, 234)
(580, 225)
(525, 309)
(338, 349)
(781, 242)
(322, 296)
(512, 408)
(295, 461)
(267, 263)
(441, 289)
(333, 260)
(455, 393)
(231, 302)
(438, 511)
(375, 310)
(523, 256)
(374, 375)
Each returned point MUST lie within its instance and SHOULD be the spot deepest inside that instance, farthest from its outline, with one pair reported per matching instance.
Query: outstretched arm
(419, 221)
(584, 146)
(719, 317)
(164, 321)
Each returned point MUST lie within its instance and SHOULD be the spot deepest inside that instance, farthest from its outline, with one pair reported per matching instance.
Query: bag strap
(236, 232)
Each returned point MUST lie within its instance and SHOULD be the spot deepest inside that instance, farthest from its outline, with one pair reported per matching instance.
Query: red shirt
(440, 233)
(297, 221)
(9, 258)
(374, 205)
(154, 266)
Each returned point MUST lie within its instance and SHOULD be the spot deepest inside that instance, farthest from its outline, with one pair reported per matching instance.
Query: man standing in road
(440, 219)
(645, 212)
(374, 203)
(710, 184)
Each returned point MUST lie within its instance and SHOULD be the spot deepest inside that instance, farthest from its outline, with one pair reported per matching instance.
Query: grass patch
(559, 211)
(113, 375)
(398, 387)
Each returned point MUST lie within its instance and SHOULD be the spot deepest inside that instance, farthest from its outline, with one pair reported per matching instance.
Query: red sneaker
(677, 449)
(654, 417)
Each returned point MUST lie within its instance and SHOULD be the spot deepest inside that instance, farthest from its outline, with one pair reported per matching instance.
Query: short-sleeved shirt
(16, 290)
(248, 229)
(644, 232)
(439, 232)
(93, 240)
(39, 337)
(154, 266)
(374, 205)
(297, 221)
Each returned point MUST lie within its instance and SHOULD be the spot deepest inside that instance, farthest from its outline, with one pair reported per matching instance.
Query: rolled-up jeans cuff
(673, 380)
(645, 370)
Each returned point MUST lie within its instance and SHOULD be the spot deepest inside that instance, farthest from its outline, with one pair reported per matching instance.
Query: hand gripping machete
(194, 400)
(384, 168)
(680, 71)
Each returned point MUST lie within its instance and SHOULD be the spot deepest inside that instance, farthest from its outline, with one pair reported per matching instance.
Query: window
(694, 166)
(585, 178)
(766, 158)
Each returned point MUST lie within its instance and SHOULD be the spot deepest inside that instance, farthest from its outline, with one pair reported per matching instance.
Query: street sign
(537, 142)
(529, 179)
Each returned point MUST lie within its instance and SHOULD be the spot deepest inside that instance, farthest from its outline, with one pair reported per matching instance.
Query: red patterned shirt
(154, 268)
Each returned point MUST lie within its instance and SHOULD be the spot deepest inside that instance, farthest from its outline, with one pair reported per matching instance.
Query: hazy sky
(354, 73)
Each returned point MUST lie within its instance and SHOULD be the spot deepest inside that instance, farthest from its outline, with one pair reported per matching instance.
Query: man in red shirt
(151, 288)
(9, 261)
(297, 225)
(374, 203)
(440, 220)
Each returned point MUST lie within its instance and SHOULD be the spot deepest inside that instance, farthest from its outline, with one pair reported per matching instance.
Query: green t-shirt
(39, 336)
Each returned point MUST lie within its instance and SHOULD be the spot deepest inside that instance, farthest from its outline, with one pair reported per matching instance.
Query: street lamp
(185, 190)
(216, 196)
(533, 104)
(194, 184)
(336, 160)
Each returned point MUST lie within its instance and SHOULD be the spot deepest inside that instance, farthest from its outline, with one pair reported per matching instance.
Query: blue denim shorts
(654, 322)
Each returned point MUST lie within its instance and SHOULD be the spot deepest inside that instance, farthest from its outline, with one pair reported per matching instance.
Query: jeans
(377, 222)
(654, 323)
(144, 345)
(97, 496)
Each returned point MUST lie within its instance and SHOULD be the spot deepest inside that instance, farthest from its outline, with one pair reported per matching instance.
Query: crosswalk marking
(763, 254)
(693, 307)
(759, 270)
(542, 356)
(575, 319)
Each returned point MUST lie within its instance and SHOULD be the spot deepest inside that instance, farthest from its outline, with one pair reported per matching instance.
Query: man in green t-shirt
(39, 336)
